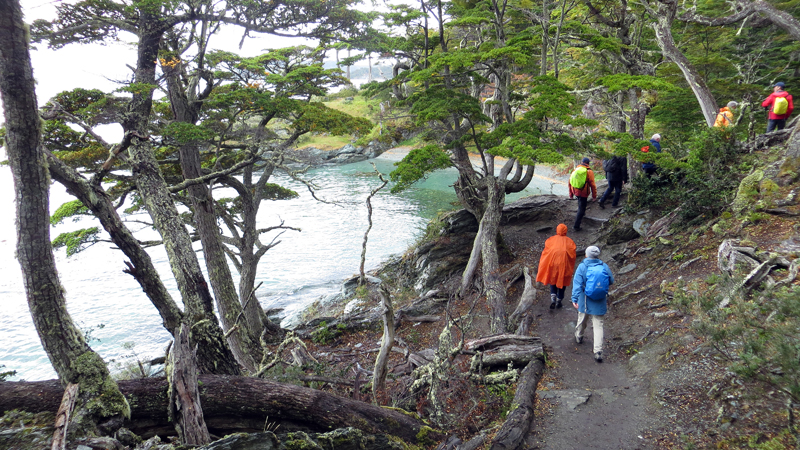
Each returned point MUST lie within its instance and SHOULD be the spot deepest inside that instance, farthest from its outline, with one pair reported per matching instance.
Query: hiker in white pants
(589, 291)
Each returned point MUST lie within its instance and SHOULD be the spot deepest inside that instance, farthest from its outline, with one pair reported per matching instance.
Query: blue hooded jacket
(593, 307)
(657, 146)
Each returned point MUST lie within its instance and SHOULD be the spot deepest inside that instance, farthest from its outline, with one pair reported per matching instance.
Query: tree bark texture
(62, 417)
(231, 404)
(519, 420)
(63, 342)
(143, 271)
(521, 318)
(639, 111)
(249, 246)
(663, 31)
(493, 286)
(243, 341)
(387, 342)
(214, 354)
(185, 409)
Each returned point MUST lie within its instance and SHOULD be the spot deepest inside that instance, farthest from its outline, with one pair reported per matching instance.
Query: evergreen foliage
(702, 184)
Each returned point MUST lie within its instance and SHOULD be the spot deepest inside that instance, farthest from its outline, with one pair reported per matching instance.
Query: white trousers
(597, 327)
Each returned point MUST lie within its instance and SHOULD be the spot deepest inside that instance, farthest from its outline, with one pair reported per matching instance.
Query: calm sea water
(122, 323)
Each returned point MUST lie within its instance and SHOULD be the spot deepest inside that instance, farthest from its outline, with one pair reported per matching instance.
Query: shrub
(756, 331)
(702, 184)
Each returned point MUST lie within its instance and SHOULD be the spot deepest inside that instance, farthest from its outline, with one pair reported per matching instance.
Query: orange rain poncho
(558, 259)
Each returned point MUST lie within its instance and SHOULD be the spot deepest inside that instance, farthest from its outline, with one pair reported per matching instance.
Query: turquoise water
(305, 266)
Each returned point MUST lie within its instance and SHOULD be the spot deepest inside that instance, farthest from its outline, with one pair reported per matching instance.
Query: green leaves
(75, 241)
(623, 82)
(316, 117)
(183, 133)
(441, 104)
(416, 165)
(72, 209)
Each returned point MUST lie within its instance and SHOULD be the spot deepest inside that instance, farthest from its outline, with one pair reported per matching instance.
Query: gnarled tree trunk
(663, 30)
(70, 355)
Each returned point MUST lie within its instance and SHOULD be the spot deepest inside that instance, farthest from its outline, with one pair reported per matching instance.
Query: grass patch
(324, 142)
(358, 107)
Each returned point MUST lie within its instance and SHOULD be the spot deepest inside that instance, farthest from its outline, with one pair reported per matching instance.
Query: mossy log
(519, 355)
(231, 404)
(519, 419)
(500, 340)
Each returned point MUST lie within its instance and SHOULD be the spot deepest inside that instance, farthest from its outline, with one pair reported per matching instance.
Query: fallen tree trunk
(519, 420)
(518, 355)
(230, 404)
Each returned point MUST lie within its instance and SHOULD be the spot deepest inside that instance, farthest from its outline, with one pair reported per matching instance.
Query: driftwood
(519, 420)
(521, 318)
(185, 409)
(487, 343)
(62, 417)
(230, 404)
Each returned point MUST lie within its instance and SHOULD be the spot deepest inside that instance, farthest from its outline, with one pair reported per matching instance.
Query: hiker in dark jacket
(617, 174)
(588, 307)
(582, 194)
(655, 144)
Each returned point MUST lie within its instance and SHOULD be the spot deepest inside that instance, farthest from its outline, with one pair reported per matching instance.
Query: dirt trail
(594, 405)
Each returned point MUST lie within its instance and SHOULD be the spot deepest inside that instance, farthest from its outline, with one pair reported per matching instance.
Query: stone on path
(571, 398)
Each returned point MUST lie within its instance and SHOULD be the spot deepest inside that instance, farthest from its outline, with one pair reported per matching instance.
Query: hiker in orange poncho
(557, 264)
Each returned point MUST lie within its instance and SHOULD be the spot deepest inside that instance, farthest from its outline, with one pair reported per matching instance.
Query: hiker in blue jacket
(591, 302)
(655, 143)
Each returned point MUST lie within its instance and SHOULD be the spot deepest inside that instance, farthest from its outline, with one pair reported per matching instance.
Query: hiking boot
(553, 305)
(552, 301)
(598, 357)
(576, 228)
(578, 339)
(558, 304)
(602, 206)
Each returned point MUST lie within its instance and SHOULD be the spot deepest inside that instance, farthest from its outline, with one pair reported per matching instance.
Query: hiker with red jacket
(780, 106)
(581, 182)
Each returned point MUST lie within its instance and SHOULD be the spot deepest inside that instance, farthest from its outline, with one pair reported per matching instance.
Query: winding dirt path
(597, 406)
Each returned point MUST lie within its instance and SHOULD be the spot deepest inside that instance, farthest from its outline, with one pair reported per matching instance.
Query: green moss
(299, 441)
(403, 411)
(748, 191)
(103, 398)
(768, 186)
(403, 443)
(790, 170)
(423, 437)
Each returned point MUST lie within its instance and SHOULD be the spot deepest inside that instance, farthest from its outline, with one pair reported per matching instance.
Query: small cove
(110, 306)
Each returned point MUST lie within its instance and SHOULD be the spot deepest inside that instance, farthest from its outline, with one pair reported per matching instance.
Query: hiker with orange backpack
(581, 182)
(725, 115)
(780, 106)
